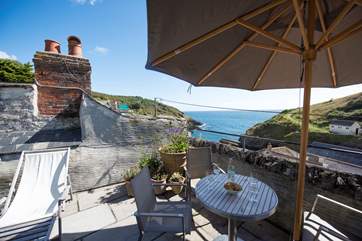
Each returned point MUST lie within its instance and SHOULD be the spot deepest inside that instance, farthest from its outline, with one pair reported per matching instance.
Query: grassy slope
(146, 106)
(286, 125)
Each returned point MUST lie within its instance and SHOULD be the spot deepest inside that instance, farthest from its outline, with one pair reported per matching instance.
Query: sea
(233, 122)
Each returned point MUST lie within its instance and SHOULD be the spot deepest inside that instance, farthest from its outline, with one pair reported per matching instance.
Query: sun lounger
(38, 189)
(315, 228)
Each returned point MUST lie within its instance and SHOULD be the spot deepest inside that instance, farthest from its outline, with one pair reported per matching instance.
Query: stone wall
(113, 142)
(281, 176)
(20, 124)
(17, 103)
(58, 70)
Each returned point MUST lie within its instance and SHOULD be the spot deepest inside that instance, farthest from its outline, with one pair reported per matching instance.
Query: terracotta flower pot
(159, 189)
(173, 161)
(129, 189)
(52, 46)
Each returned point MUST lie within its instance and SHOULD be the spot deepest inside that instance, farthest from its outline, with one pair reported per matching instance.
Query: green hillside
(286, 125)
(139, 105)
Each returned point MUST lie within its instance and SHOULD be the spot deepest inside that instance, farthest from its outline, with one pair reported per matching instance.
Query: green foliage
(152, 161)
(179, 142)
(286, 125)
(130, 173)
(159, 176)
(15, 72)
(140, 105)
(135, 106)
(176, 177)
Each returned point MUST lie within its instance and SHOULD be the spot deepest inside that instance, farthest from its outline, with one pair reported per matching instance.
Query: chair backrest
(143, 191)
(198, 161)
(42, 184)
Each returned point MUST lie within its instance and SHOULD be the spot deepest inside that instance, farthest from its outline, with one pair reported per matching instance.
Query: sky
(114, 38)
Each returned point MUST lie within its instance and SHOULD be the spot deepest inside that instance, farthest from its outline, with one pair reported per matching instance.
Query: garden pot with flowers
(128, 175)
(177, 178)
(157, 172)
(173, 154)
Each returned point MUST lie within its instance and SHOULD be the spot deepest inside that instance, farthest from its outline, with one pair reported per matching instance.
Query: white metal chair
(154, 216)
(315, 228)
(36, 195)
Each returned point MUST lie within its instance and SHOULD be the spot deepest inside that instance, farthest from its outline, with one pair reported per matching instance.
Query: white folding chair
(36, 195)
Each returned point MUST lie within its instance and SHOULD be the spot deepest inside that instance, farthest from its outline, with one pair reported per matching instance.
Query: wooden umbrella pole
(309, 57)
(303, 150)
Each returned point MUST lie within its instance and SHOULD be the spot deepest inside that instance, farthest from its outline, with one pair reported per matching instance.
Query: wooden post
(309, 57)
(155, 103)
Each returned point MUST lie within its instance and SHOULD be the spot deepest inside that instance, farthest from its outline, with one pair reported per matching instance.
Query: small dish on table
(232, 187)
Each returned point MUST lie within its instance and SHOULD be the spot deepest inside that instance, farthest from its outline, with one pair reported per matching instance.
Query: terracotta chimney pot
(74, 46)
(52, 46)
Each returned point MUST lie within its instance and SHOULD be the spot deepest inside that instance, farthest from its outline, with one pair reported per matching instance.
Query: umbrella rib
(335, 22)
(240, 47)
(266, 66)
(273, 48)
(353, 29)
(216, 31)
(329, 50)
(301, 23)
(268, 34)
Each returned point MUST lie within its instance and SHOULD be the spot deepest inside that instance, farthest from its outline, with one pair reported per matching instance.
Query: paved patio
(106, 214)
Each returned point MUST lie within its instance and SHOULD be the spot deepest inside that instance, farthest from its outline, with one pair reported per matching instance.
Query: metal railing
(244, 137)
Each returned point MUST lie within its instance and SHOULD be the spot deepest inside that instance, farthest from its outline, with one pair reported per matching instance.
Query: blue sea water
(235, 122)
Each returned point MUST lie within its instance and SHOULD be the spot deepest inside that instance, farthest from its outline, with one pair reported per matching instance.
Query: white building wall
(345, 130)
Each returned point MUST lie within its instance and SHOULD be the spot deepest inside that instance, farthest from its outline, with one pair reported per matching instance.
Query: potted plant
(177, 178)
(173, 155)
(157, 173)
(128, 175)
(159, 178)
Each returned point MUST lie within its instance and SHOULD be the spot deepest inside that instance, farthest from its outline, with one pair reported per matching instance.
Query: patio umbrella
(258, 45)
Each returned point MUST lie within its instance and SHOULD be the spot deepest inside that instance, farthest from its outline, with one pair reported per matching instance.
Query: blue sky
(114, 37)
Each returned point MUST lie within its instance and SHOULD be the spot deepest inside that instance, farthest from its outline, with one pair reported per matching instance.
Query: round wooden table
(236, 207)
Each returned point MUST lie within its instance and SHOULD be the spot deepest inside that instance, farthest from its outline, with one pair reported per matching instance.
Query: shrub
(130, 173)
(179, 141)
(176, 177)
(152, 161)
(135, 106)
(15, 72)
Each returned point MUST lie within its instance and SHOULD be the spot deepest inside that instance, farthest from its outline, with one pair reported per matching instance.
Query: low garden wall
(281, 175)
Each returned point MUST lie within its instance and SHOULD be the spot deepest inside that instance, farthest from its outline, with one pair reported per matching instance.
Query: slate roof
(343, 122)
(342, 153)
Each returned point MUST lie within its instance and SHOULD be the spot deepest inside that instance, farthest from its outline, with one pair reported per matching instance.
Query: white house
(345, 127)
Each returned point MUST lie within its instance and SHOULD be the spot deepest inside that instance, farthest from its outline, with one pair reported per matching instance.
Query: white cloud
(101, 50)
(83, 2)
(4, 55)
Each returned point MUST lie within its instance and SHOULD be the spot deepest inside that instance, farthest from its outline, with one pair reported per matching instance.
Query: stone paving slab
(265, 231)
(125, 230)
(87, 221)
(106, 214)
(123, 209)
(98, 196)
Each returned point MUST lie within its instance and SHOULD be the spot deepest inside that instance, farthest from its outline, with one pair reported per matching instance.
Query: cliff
(138, 104)
(286, 125)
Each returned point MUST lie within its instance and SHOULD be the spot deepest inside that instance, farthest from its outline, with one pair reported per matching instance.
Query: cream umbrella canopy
(258, 45)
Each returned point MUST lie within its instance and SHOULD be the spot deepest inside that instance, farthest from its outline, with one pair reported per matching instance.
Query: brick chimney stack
(61, 80)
